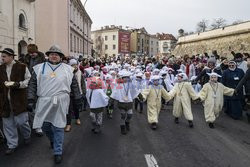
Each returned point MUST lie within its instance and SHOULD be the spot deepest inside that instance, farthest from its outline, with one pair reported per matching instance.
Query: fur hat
(32, 48)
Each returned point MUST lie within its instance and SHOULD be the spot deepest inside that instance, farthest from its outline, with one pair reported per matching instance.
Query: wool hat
(72, 62)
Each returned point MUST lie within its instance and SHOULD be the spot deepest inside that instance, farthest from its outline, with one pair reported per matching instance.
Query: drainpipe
(13, 9)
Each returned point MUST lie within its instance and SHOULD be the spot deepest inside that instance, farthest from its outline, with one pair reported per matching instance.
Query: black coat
(246, 82)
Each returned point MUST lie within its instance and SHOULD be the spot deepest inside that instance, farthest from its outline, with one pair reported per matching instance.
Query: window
(113, 55)
(71, 42)
(152, 42)
(106, 47)
(106, 38)
(74, 43)
(114, 47)
(77, 44)
(114, 37)
(22, 22)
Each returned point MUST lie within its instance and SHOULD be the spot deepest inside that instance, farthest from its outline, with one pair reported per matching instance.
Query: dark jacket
(231, 79)
(246, 82)
(18, 97)
(203, 77)
(37, 60)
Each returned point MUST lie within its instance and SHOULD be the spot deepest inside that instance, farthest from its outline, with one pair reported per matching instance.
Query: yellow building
(140, 42)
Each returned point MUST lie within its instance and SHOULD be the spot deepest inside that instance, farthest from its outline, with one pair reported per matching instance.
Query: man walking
(14, 79)
(33, 58)
(51, 84)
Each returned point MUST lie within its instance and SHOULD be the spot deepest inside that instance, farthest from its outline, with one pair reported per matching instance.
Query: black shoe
(58, 159)
(51, 145)
(27, 141)
(211, 125)
(127, 126)
(154, 126)
(123, 130)
(248, 117)
(97, 129)
(39, 134)
(10, 151)
(176, 120)
(191, 125)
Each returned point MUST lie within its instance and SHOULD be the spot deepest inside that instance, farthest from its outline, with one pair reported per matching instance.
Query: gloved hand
(140, 97)
(15, 85)
(30, 106)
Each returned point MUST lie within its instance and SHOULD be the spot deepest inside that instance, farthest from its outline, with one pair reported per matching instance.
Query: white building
(153, 45)
(167, 43)
(80, 30)
(17, 24)
(110, 41)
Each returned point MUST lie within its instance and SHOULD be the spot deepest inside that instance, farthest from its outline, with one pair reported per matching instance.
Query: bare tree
(202, 26)
(218, 23)
(181, 32)
(237, 22)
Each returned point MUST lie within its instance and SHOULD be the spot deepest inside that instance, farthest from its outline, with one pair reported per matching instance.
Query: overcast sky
(164, 15)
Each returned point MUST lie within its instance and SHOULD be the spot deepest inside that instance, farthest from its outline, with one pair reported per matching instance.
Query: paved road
(171, 145)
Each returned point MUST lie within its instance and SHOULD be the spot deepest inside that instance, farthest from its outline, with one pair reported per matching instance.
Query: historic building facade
(17, 24)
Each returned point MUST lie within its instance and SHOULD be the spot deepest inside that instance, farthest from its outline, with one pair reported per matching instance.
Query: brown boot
(78, 122)
(67, 128)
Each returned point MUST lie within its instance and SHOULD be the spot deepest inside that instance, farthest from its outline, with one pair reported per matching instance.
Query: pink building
(66, 23)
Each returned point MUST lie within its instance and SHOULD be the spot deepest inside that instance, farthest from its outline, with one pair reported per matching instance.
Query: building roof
(164, 36)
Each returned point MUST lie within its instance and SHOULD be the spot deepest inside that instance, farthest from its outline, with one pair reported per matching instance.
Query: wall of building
(10, 32)
(103, 42)
(52, 26)
(224, 40)
(154, 46)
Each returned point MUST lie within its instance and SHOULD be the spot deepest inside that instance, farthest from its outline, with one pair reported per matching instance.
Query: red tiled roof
(166, 37)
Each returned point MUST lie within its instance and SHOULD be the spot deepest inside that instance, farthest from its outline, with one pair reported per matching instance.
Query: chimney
(112, 26)
(120, 27)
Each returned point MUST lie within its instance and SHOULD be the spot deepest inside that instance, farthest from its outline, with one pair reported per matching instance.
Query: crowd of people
(46, 90)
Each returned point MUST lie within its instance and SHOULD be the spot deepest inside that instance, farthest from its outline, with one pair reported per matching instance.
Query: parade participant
(240, 62)
(231, 78)
(213, 94)
(125, 93)
(97, 100)
(153, 96)
(182, 94)
(72, 107)
(156, 72)
(14, 79)
(52, 83)
(109, 85)
(140, 85)
(170, 79)
(246, 82)
(33, 58)
(211, 67)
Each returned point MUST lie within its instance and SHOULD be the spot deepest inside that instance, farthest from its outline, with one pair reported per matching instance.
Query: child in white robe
(182, 94)
(125, 93)
(212, 94)
(97, 100)
(153, 96)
